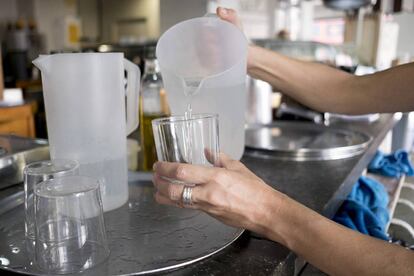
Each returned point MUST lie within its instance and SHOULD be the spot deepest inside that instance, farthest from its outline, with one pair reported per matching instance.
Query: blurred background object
(1, 76)
(259, 98)
(357, 36)
(78, 25)
(347, 5)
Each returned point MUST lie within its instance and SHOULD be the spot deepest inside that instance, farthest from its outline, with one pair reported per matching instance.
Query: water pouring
(203, 64)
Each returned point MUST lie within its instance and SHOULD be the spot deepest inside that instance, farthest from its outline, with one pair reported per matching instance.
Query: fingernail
(154, 167)
(223, 11)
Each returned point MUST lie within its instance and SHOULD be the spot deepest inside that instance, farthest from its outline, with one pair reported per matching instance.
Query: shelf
(393, 187)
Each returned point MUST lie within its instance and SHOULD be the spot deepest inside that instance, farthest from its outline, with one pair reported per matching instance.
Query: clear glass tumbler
(193, 140)
(70, 231)
(37, 172)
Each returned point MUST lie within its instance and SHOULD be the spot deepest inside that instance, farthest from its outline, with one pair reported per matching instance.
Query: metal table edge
(336, 201)
(345, 188)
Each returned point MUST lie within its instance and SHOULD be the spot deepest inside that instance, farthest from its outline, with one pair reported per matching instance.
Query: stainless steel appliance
(259, 102)
(15, 153)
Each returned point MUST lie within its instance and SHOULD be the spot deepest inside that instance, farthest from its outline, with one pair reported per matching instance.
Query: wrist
(271, 215)
(283, 221)
(252, 57)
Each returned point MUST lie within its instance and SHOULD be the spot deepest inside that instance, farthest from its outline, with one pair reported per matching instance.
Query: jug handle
(132, 95)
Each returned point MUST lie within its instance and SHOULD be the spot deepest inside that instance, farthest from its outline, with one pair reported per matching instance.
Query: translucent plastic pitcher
(84, 98)
(203, 61)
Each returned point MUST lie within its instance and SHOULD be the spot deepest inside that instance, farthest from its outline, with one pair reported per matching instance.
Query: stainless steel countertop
(320, 185)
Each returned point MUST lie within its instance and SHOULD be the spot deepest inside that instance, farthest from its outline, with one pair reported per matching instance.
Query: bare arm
(325, 88)
(237, 197)
(333, 248)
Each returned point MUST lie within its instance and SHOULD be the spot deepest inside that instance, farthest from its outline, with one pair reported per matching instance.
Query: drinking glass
(37, 172)
(192, 140)
(69, 225)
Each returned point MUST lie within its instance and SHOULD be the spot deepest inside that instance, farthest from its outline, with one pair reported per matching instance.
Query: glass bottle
(152, 106)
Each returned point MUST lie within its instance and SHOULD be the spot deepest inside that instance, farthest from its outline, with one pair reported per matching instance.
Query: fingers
(229, 15)
(171, 194)
(168, 189)
(165, 200)
(212, 157)
(194, 174)
(226, 162)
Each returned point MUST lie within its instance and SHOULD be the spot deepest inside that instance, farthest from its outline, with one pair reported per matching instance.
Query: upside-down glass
(70, 231)
(37, 172)
(192, 140)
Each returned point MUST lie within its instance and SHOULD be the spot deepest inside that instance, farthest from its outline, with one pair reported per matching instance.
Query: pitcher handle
(210, 14)
(132, 95)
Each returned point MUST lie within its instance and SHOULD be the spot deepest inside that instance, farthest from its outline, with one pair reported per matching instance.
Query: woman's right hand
(232, 17)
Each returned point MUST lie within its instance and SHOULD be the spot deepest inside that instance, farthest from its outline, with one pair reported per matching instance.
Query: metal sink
(15, 153)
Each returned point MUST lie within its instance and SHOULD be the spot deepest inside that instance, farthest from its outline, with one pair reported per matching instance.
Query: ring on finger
(187, 196)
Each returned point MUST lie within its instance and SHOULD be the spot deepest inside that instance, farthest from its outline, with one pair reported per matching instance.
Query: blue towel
(365, 209)
(392, 165)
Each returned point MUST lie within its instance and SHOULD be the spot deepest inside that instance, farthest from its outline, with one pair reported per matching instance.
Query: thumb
(225, 161)
(230, 16)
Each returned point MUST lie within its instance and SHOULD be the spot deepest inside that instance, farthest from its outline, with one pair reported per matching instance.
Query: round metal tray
(144, 237)
(303, 141)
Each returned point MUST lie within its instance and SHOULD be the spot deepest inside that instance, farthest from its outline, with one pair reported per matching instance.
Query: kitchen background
(359, 40)
(75, 24)
(360, 37)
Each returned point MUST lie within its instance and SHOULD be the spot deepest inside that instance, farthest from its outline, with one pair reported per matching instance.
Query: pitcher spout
(42, 62)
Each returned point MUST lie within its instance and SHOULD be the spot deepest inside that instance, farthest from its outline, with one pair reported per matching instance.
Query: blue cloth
(392, 165)
(365, 209)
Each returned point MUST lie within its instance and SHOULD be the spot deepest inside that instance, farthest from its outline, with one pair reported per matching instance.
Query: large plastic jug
(84, 95)
(203, 61)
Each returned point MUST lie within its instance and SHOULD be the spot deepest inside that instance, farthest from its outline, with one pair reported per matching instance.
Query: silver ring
(187, 193)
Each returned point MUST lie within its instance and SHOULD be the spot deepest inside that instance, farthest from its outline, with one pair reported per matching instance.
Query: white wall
(11, 10)
(174, 11)
(406, 33)
(25, 9)
(49, 15)
(45, 12)
(257, 17)
(8, 13)
(8, 10)
(261, 19)
(114, 10)
(88, 12)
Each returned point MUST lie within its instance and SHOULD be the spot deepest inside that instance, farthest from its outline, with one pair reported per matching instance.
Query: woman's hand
(231, 193)
(237, 197)
(231, 16)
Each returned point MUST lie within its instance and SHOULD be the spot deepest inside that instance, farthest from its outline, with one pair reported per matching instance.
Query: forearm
(331, 247)
(327, 89)
(315, 85)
